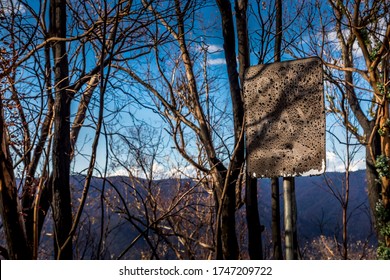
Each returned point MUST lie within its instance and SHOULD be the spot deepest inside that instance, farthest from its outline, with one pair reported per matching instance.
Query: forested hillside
(319, 219)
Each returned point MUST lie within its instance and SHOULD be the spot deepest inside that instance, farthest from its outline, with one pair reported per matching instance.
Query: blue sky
(216, 62)
(217, 67)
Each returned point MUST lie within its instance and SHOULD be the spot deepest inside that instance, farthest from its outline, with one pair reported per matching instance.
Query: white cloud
(335, 164)
(159, 171)
(358, 165)
(214, 51)
(216, 61)
(187, 171)
(118, 172)
(211, 48)
(332, 39)
(214, 48)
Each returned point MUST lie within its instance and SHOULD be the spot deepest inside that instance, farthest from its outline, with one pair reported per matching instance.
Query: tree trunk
(62, 211)
(255, 246)
(238, 118)
(227, 245)
(373, 187)
(385, 180)
(252, 211)
(228, 225)
(294, 220)
(275, 205)
(13, 223)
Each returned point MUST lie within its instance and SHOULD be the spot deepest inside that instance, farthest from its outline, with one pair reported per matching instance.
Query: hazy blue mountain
(319, 212)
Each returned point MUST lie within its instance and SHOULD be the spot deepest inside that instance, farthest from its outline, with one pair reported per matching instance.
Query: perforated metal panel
(285, 118)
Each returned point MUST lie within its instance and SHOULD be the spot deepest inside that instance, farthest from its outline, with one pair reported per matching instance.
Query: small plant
(383, 217)
(384, 128)
(382, 166)
(383, 252)
(375, 51)
(363, 32)
(382, 91)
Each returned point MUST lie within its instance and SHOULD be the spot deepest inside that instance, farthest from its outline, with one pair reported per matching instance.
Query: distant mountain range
(319, 212)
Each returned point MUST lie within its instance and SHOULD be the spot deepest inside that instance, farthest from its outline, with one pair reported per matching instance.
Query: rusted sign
(285, 118)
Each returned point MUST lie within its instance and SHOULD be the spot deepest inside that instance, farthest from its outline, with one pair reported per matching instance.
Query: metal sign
(285, 118)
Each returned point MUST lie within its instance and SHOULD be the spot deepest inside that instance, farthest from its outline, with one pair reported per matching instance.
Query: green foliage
(381, 88)
(384, 128)
(382, 166)
(363, 32)
(374, 53)
(383, 252)
(383, 218)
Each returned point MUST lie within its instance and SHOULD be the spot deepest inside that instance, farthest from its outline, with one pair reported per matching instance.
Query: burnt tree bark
(10, 210)
(276, 229)
(275, 202)
(255, 246)
(231, 252)
(61, 204)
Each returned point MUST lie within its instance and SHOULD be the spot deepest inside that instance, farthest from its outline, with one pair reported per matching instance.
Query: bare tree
(343, 194)
(361, 33)
(275, 199)
(10, 209)
(181, 104)
(170, 212)
(62, 211)
(46, 106)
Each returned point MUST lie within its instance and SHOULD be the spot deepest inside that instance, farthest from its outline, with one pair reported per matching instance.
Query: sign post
(289, 213)
(285, 127)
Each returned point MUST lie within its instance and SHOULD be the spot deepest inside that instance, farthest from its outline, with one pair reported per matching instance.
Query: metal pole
(288, 216)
